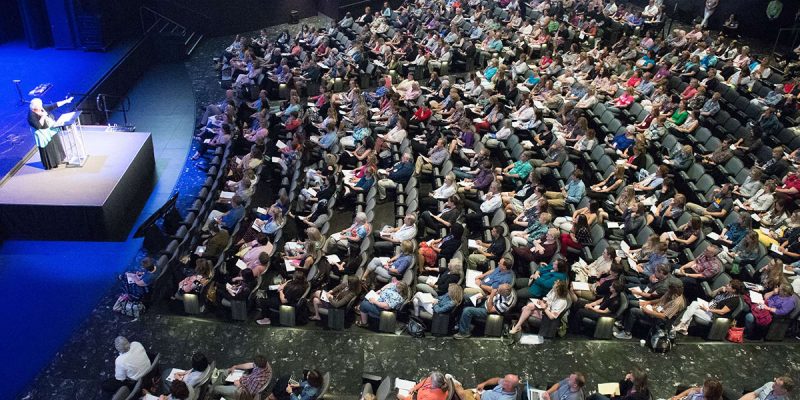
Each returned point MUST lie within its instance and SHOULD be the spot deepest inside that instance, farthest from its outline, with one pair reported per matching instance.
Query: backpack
(415, 328)
(661, 340)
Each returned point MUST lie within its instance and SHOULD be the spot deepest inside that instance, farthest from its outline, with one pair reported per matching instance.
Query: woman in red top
(434, 387)
(791, 186)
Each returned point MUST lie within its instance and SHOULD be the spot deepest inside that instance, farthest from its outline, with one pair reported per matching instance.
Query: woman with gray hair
(43, 124)
(433, 387)
(353, 234)
(437, 286)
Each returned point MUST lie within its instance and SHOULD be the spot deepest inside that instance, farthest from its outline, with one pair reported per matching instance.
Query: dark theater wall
(216, 18)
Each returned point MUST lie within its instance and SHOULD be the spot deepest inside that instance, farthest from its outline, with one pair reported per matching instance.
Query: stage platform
(96, 202)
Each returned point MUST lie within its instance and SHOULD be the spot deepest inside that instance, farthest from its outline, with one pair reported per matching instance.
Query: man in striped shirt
(248, 385)
(499, 301)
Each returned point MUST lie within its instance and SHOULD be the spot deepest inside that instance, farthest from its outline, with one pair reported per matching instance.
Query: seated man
(778, 389)
(719, 206)
(227, 220)
(131, 364)
(556, 155)
(493, 278)
(247, 386)
(388, 237)
(505, 388)
(569, 388)
(703, 268)
(399, 174)
(572, 193)
(498, 302)
(656, 286)
(486, 252)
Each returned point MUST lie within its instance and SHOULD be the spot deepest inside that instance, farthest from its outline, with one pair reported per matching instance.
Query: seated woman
(591, 212)
(578, 237)
(777, 303)
(363, 185)
(269, 227)
(389, 298)
(552, 305)
(771, 276)
(337, 297)
(605, 305)
(723, 302)
(685, 236)
(221, 138)
(440, 304)
(384, 268)
(711, 390)
(138, 282)
(453, 273)
(193, 281)
(363, 150)
(304, 255)
(288, 293)
(433, 387)
(190, 377)
(602, 285)
(541, 281)
(633, 387)
(668, 210)
(239, 287)
(745, 252)
(307, 389)
(434, 250)
(609, 185)
(449, 188)
(680, 159)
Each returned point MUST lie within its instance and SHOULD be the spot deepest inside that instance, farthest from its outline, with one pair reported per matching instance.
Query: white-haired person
(43, 123)
(131, 364)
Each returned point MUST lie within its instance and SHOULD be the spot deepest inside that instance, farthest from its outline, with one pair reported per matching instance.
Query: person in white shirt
(131, 364)
(388, 237)
(650, 10)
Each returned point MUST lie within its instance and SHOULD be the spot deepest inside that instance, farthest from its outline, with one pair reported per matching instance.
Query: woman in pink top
(621, 102)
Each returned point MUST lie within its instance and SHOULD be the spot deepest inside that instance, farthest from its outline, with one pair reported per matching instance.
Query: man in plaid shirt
(249, 384)
(703, 268)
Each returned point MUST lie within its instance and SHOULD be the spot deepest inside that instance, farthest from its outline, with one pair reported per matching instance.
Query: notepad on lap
(580, 285)
(613, 225)
(233, 376)
(713, 236)
(431, 280)
(403, 386)
(371, 295)
(608, 389)
(172, 373)
(471, 275)
(333, 259)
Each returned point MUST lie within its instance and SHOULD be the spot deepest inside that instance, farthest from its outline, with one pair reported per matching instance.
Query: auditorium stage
(96, 202)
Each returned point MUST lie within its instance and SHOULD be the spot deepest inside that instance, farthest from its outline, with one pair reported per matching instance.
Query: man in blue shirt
(227, 220)
(505, 388)
(569, 388)
(572, 193)
(493, 278)
(399, 174)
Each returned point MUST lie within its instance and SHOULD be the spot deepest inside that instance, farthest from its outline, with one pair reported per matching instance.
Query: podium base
(76, 162)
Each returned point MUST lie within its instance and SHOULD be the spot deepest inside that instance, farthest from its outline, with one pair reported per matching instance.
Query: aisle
(51, 287)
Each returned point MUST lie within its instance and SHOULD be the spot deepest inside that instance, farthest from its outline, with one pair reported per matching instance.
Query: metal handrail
(102, 105)
(157, 14)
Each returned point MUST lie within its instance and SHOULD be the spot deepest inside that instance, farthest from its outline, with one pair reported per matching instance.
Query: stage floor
(70, 71)
(37, 204)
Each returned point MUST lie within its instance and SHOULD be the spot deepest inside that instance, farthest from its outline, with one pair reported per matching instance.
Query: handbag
(415, 328)
(735, 334)
(127, 306)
